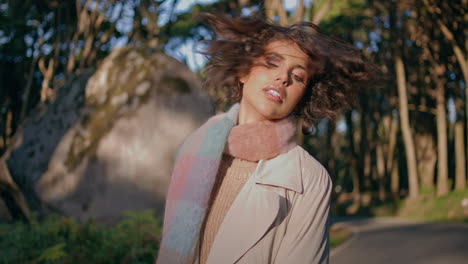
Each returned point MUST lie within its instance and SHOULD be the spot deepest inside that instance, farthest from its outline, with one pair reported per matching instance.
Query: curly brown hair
(338, 70)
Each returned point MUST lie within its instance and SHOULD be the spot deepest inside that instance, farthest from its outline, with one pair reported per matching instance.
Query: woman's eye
(299, 79)
(272, 64)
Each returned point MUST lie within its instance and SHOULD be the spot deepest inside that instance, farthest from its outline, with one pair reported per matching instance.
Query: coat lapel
(255, 208)
(249, 217)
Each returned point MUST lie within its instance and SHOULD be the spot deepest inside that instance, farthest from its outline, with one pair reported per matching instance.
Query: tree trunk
(460, 170)
(460, 157)
(299, 14)
(273, 7)
(442, 152)
(427, 158)
(392, 162)
(27, 89)
(380, 141)
(283, 16)
(47, 76)
(460, 55)
(269, 10)
(381, 171)
(12, 195)
(406, 128)
(395, 181)
(330, 151)
(367, 169)
(354, 170)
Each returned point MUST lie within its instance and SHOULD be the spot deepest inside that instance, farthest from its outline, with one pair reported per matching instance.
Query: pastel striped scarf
(196, 168)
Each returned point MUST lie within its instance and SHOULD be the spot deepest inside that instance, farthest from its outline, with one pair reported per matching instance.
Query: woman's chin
(261, 111)
(269, 112)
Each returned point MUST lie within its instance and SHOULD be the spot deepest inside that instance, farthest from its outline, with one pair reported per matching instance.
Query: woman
(242, 190)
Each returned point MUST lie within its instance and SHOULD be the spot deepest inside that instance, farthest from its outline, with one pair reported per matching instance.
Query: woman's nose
(282, 76)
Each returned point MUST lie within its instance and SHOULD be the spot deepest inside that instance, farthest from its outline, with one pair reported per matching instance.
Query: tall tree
(442, 14)
(403, 106)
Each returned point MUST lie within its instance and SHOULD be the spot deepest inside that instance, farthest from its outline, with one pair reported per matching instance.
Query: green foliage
(338, 236)
(344, 8)
(429, 207)
(54, 253)
(59, 239)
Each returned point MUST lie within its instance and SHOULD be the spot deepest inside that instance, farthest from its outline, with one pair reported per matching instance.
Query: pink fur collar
(262, 140)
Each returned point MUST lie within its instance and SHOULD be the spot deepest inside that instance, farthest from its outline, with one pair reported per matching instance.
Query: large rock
(99, 151)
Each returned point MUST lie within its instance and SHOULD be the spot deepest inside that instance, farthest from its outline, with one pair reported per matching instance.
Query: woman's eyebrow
(274, 54)
(279, 56)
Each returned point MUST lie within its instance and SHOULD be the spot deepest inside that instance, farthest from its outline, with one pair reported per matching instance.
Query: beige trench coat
(279, 216)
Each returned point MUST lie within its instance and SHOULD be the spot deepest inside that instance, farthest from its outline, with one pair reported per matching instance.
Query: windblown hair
(338, 70)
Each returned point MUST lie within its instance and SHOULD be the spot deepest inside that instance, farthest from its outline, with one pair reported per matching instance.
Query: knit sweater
(233, 173)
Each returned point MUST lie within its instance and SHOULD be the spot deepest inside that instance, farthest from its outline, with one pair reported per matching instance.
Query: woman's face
(275, 83)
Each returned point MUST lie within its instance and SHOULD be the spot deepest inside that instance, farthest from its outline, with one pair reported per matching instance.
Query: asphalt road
(399, 241)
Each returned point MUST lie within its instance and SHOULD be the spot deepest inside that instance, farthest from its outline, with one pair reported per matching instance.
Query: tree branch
(322, 12)
(299, 15)
(461, 57)
(283, 16)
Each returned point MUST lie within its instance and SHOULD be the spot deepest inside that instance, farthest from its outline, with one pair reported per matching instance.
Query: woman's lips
(273, 94)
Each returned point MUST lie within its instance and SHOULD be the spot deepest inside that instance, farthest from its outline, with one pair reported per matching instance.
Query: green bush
(59, 239)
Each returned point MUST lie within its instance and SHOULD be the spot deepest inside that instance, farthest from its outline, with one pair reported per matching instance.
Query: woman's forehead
(287, 49)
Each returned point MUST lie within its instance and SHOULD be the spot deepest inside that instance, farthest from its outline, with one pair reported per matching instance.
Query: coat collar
(282, 171)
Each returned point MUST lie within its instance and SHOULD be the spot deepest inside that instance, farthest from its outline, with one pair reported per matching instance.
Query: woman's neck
(247, 115)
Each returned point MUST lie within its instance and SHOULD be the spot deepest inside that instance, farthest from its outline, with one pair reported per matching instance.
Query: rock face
(113, 149)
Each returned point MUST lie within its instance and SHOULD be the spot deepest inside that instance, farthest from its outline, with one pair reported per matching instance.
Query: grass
(338, 236)
(429, 207)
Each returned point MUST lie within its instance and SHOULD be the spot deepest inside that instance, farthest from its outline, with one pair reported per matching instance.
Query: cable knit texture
(232, 175)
